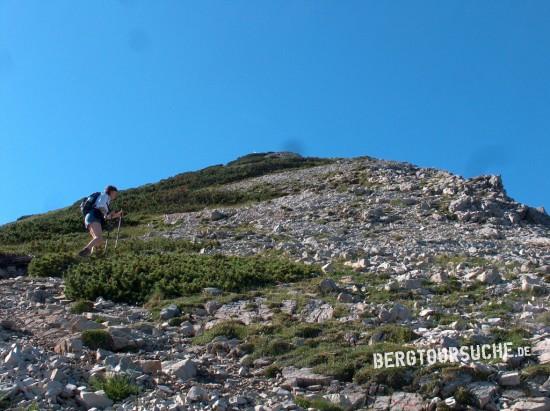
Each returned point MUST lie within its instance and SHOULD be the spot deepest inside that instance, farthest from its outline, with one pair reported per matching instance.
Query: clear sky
(129, 92)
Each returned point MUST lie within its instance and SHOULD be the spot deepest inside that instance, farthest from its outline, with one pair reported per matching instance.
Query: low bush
(394, 334)
(82, 306)
(392, 377)
(229, 329)
(274, 347)
(133, 278)
(117, 387)
(50, 265)
(271, 371)
(307, 331)
(317, 403)
(94, 339)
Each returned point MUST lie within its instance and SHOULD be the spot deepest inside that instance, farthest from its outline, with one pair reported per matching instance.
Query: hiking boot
(84, 252)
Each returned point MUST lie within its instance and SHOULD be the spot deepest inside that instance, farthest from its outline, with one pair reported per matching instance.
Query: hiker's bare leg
(97, 236)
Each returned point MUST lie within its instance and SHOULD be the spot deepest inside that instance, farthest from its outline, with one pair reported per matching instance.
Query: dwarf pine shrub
(50, 265)
(133, 278)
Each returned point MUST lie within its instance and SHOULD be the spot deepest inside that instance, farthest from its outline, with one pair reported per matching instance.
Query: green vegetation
(445, 260)
(82, 306)
(307, 331)
(464, 397)
(95, 339)
(393, 333)
(318, 403)
(271, 371)
(392, 377)
(536, 370)
(516, 335)
(134, 277)
(50, 265)
(229, 329)
(117, 387)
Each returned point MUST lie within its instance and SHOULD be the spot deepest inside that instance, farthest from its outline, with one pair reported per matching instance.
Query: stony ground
(411, 257)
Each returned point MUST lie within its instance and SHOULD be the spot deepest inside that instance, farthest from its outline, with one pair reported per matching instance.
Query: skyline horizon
(132, 91)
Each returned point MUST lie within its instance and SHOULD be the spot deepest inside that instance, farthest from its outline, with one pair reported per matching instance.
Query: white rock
(184, 370)
(196, 394)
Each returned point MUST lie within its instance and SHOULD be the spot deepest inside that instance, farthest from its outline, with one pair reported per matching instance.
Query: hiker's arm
(114, 214)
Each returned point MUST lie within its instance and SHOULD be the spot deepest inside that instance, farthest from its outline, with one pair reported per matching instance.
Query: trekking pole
(106, 241)
(118, 229)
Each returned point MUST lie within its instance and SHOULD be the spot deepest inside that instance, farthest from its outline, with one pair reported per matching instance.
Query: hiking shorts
(94, 216)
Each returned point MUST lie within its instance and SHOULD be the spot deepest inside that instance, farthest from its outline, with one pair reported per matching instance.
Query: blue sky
(129, 92)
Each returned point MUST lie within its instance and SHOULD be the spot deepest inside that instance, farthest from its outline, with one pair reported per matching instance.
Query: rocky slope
(411, 258)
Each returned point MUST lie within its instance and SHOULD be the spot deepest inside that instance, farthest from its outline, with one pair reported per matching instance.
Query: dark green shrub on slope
(133, 278)
(50, 265)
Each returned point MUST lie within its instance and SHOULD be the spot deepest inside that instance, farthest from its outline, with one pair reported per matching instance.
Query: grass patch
(537, 370)
(516, 335)
(273, 347)
(229, 329)
(117, 387)
(393, 333)
(445, 260)
(271, 371)
(318, 403)
(392, 377)
(307, 331)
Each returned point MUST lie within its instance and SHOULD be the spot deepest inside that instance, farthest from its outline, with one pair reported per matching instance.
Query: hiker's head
(111, 191)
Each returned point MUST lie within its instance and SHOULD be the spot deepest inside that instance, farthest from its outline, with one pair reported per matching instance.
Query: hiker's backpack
(87, 204)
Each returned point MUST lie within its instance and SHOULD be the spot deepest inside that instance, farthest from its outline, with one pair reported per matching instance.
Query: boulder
(348, 401)
(509, 379)
(184, 370)
(151, 366)
(321, 314)
(80, 324)
(490, 277)
(53, 389)
(211, 307)
(406, 401)
(72, 344)
(328, 286)
(345, 298)
(304, 377)
(187, 329)
(196, 394)
(542, 350)
(483, 391)
(170, 311)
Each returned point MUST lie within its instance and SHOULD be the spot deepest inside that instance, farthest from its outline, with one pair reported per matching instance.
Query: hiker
(94, 220)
